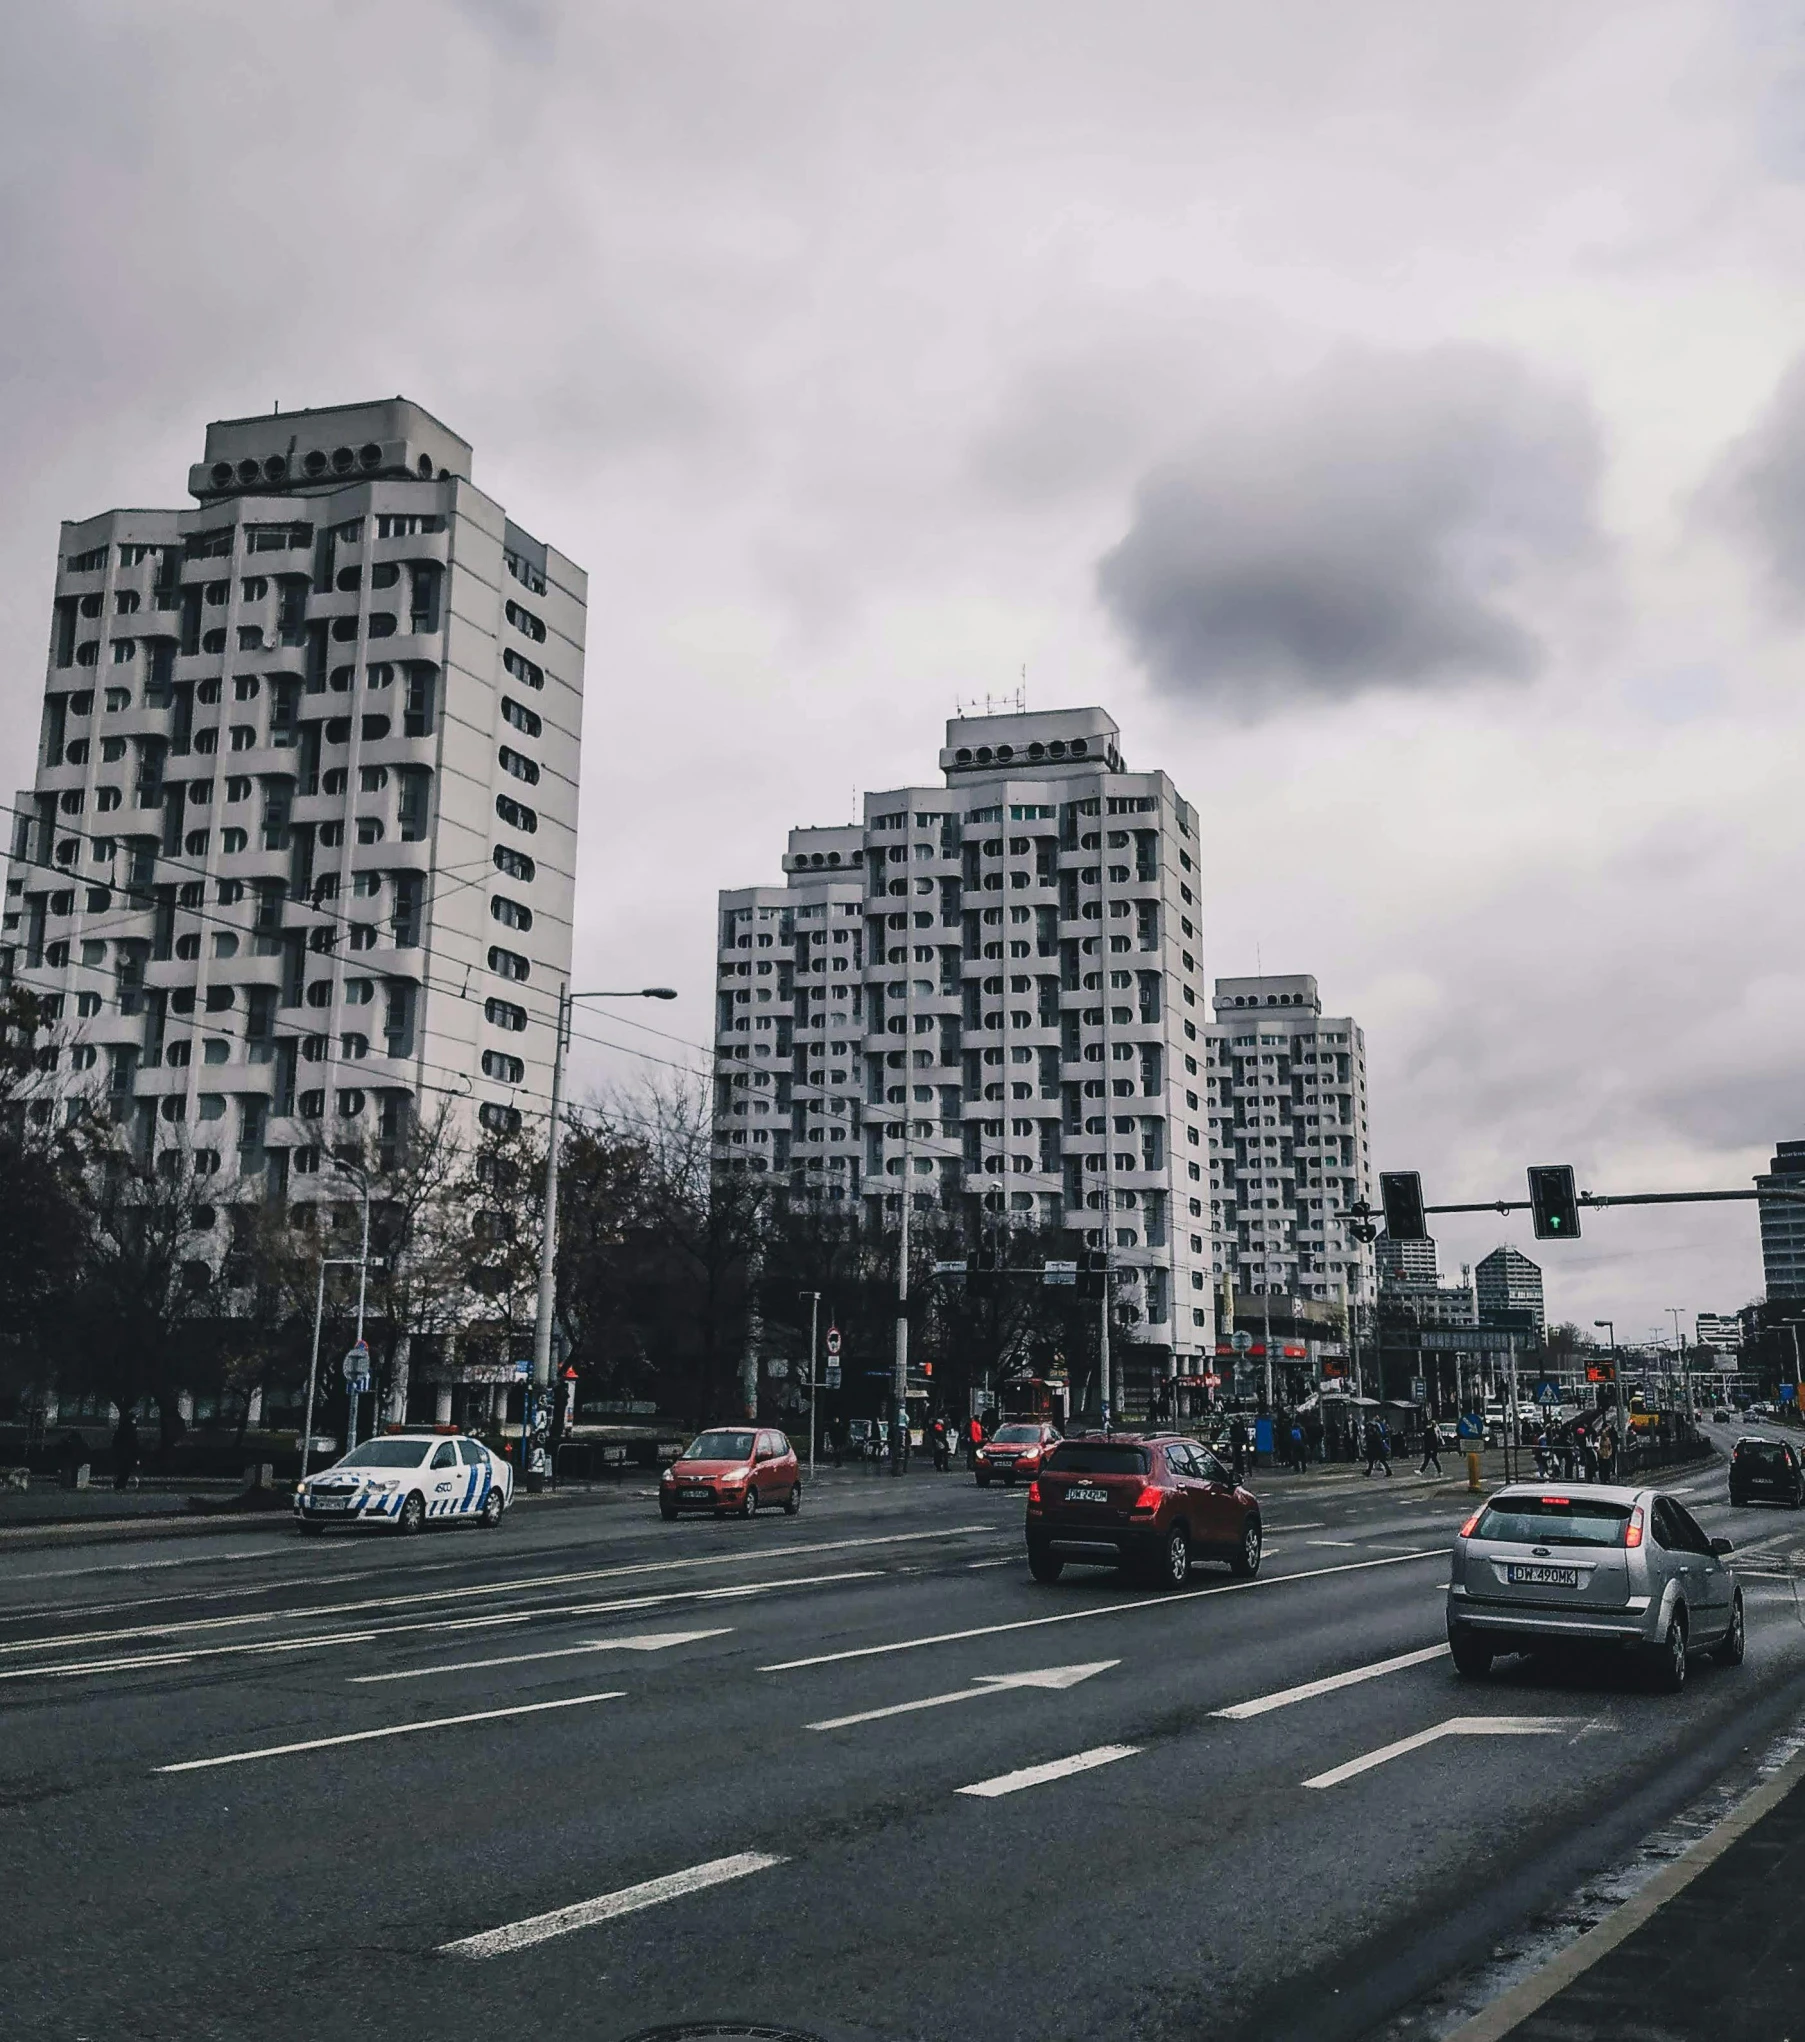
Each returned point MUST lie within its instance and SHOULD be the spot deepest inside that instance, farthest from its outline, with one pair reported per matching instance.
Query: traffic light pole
(814, 1386)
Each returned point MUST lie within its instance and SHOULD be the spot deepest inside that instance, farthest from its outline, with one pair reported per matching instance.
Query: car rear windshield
(1760, 1450)
(1016, 1435)
(387, 1453)
(1080, 1457)
(1554, 1521)
(720, 1446)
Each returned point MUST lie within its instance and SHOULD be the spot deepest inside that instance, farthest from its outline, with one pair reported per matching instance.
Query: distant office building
(1405, 1261)
(1404, 1301)
(1783, 1223)
(1719, 1331)
(1288, 1142)
(1507, 1281)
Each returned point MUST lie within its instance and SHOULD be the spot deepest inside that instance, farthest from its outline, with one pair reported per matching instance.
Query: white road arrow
(1455, 1726)
(648, 1641)
(985, 1684)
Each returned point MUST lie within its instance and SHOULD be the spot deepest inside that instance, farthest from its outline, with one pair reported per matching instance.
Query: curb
(1508, 2013)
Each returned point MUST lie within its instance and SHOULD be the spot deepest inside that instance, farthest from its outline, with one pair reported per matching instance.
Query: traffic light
(1553, 1202)
(1093, 1274)
(1401, 1194)
(981, 1273)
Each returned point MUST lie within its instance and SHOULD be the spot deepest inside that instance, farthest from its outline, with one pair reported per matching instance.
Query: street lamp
(360, 1262)
(814, 1387)
(548, 1230)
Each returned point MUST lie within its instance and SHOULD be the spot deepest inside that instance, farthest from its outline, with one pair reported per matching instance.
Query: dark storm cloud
(1757, 494)
(1396, 521)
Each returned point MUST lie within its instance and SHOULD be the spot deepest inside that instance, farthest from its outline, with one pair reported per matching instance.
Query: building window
(504, 1014)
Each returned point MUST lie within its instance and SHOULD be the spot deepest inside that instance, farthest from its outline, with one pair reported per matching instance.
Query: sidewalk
(1709, 1951)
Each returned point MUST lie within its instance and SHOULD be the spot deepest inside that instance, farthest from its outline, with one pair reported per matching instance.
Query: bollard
(1473, 1473)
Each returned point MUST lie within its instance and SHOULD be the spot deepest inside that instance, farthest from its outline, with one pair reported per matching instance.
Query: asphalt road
(593, 1775)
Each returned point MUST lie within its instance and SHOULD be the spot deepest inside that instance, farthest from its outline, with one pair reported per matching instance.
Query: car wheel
(1730, 1652)
(491, 1510)
(1472, 1659)
(668, 1511)
(1670, 1663)
(750, 1507)
(1245, 1560)
(1173, 1567)
(413, 1515)
(1043, 1565)
(794, 1502)
(983, 1481)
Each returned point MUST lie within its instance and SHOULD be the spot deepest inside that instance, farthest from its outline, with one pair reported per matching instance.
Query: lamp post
(548, 1226)
(1679, 1341)
(814, 1387)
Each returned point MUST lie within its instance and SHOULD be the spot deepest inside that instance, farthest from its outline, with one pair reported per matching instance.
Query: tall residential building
(988, 989)
(1783, 1223)
(1507, 1281)
(300, 846)
(1405, 1261)
(1289, 1151)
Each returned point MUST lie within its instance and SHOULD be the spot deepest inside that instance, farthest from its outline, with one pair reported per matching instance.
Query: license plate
(1543, 1577)
(329, 1503)
(1087, 1495)
(697, 1495)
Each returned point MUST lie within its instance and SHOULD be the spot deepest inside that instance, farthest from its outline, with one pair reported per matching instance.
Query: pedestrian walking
(1297, 1445)
(1378, 1446)
(1237, 1445)
(943, 1450)
(1431, 1445)
(974, 1438)
(125, 1451)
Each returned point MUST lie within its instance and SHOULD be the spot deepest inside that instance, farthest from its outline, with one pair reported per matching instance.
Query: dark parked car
(1145, 1502)
(1766, 1468)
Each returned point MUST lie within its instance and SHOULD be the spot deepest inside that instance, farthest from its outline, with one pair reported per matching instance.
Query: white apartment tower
(300, 848)
(1289, 1151)
(988, 990)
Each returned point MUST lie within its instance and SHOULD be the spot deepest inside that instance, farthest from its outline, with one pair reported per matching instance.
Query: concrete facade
(1289, 1148)
(1783, 1223)
(299, 854)
(988, 990)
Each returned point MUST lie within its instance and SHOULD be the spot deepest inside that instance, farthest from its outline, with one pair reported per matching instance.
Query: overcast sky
(1394, 414)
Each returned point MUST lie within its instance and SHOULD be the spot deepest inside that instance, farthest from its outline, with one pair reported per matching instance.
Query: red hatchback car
(734, 1467)
(1141, 1501)
(1014, 1450)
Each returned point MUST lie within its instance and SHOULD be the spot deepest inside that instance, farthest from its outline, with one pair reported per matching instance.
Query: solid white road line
(72, 1641)
(1054, 1769)
(652, 1641)
(1112, 1609)
(540, 1928)
(1263, 1705)
(494, 1620)
(1052, 1678)
(1351, 1544)
(1455, 1726)
(201, 1765)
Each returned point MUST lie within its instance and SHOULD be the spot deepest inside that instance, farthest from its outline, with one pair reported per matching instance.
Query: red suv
(1143, 1501)
(1013, 1450)
(734, 1467)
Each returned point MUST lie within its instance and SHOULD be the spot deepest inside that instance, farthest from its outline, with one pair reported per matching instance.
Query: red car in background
(1014, 1450)
(732, 1467)
(1147, 1502)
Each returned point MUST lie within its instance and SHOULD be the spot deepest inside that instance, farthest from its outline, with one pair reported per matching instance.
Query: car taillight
(1632, 1532)
(1033, 1492)
(1148, 1499)
(1466, 1530)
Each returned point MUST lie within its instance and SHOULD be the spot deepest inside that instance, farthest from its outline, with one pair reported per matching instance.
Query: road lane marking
(80, 1640)
(1307, 1524)
(1263, 1705)
(1052, 1678)
(651, 1641)
(1108, 1610)
(1455, 1726)
(201, 1765)
(1054, 1769)
(1008, 1560)
(1350, 1544)
(585, 1914)
(495, 1620)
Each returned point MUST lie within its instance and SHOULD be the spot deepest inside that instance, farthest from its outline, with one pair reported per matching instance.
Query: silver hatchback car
(1539, 1564)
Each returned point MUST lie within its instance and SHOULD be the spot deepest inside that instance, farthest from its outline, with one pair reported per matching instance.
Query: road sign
(1419, 1390)
(357, 1362)
(833, 1375)
(524, 1368)
(1546, 1393)
(949, 1268)
(1241, 1342)
(1058, 1274)
(1068, 1268)
(833, 1339)
(359, 1386)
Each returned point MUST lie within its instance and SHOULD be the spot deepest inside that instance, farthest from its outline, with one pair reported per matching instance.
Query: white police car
(404, 1479)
